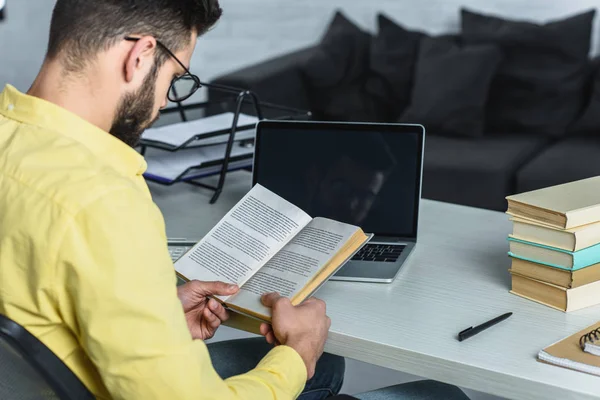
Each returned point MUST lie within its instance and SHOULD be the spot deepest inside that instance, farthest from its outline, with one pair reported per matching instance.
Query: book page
(295, 264)
(244, 240)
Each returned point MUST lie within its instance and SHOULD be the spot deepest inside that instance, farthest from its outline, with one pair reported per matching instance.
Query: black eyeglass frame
(187, 75)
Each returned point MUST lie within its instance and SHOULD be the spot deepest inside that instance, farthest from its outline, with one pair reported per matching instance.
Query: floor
(189, 215)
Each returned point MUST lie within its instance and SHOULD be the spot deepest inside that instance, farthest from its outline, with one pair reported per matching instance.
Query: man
(83, 259)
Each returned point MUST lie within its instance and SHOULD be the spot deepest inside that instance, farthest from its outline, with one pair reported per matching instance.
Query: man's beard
(134, 113)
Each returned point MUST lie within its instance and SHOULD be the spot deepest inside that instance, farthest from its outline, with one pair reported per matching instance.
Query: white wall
(253, 30)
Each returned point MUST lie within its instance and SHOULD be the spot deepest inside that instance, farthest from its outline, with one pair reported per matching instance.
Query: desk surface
(458, 277)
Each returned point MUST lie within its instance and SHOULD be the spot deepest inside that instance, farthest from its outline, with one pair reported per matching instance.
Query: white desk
(457, 278)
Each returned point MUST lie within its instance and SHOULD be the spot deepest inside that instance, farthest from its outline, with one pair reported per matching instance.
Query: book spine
(586, 257)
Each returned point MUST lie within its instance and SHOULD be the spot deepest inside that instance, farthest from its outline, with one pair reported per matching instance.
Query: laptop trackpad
(368, 271)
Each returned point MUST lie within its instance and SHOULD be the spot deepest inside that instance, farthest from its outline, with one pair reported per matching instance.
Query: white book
(563, 206)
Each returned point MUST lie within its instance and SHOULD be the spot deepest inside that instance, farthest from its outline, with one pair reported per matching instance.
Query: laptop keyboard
(177, 251)
(380, 253)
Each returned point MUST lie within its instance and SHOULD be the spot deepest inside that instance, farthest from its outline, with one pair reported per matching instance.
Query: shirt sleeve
(117, 279)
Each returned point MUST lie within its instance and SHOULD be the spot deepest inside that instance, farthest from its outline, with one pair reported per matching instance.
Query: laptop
(364, 174)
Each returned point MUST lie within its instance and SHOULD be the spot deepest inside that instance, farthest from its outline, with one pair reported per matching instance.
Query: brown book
(555, 276)
(556, 296)
(266, 244)
(563, 206)
(568, 354)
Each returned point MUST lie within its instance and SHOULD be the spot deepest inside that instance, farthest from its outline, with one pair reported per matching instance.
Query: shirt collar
(34, 111)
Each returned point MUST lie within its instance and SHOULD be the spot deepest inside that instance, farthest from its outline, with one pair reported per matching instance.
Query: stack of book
(555, 245)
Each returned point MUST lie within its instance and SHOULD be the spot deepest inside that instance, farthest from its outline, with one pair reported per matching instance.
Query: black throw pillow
(336, 73)
(539, 87)
(589, 122)
(341, 57)
(393, 56)
(451, 86)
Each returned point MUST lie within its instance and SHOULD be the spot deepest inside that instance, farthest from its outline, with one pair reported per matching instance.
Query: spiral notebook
(579, 352)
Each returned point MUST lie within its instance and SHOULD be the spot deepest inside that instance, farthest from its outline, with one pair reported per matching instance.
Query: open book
(266, 244)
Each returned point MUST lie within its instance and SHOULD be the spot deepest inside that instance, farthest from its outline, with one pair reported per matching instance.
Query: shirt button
(10, 107)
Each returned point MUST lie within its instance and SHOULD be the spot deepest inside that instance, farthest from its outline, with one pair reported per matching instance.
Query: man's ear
(140, 59)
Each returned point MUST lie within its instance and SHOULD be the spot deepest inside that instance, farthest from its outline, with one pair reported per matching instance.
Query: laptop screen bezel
(357, 127)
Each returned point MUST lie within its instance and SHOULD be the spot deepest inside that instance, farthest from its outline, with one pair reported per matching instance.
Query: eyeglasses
(182, 87)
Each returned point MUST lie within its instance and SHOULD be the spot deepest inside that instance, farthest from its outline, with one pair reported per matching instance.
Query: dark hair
(82, 28)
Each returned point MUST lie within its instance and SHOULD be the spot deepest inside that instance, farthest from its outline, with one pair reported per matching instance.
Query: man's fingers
(270, 299)
(271, 338)
(217, 288)
(218, 310)
(265, 329)
(211, 319)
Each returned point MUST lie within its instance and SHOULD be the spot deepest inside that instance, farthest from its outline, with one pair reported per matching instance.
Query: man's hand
(204, 315)
(303, 328)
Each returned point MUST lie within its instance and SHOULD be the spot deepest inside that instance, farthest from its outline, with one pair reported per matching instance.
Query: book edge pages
(582, 293)
(572, 249)
(536, 301)
(570, 284)
(511, 238)
(511, 254)
(539, 281)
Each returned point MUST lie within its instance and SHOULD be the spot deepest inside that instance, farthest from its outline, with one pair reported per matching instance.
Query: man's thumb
(270, 299)
(220, 288)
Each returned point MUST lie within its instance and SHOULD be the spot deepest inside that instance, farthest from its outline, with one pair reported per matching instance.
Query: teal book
(553, 257)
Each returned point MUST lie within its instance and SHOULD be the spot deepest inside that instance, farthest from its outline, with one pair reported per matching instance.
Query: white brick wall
(253, 30)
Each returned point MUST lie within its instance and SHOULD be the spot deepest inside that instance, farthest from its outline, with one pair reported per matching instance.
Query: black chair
(30, 371)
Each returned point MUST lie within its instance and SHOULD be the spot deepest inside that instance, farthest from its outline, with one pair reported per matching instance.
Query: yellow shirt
(84, 265)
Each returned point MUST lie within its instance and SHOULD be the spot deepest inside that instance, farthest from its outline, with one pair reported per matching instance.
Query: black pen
(467, 333)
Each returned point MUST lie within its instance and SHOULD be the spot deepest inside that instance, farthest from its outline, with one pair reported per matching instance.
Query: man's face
(139, 110)
(347, 191)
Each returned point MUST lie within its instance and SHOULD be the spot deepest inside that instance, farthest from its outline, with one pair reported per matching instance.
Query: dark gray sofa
(475, 172)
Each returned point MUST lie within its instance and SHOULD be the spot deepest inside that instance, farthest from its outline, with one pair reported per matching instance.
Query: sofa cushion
(341, 57)
(476, 172)
(566, 161)
(336, 74)
(539, 87)
(393, 56)
(589, 122)
(451, 86)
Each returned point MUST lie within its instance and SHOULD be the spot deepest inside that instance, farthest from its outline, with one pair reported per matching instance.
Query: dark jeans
(236, 357)
(419, 390)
